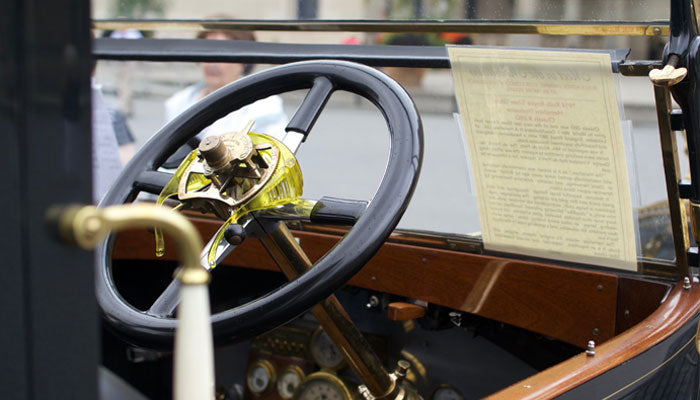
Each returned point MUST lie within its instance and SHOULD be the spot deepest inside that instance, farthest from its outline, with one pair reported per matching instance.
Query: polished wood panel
(636, 300)
(572, 305)
(680, 307)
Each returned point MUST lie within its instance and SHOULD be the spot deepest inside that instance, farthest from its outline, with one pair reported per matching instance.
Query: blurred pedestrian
(267, 113)
(126, 72)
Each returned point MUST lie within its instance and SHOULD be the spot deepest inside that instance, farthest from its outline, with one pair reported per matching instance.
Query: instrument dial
(289, 381)
(447, 392)
(325, 352)
(260, 377)
(322, 386)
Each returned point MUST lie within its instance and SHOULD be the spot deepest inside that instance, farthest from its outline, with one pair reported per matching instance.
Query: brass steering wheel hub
(234, 168)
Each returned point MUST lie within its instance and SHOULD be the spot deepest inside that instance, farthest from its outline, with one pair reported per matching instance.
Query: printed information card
(545, 145)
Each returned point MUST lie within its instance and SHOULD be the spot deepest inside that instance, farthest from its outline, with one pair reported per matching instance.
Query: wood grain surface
(679, 307)
(569, 304)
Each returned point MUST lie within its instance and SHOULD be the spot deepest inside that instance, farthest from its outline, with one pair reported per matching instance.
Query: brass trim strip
(598, 28)
(695, 219)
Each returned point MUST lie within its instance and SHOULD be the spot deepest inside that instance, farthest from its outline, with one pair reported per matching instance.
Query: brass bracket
(86, 226)
(695, 219)
(403, 389)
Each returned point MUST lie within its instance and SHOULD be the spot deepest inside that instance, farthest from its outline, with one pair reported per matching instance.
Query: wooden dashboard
(569, 304)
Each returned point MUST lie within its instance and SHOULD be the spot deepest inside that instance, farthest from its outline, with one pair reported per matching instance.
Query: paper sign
(546, 151)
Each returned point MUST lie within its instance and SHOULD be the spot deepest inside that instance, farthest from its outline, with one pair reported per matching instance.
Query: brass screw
(401, 367)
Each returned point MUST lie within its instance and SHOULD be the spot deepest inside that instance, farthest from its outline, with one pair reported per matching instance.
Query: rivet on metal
(686, 283)
(596, 331)
(590, 349)
(600, 288)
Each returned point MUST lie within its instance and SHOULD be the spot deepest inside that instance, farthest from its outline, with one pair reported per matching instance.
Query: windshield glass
(347, 150)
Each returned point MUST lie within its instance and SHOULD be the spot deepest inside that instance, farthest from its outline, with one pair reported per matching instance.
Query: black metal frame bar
(202, 50)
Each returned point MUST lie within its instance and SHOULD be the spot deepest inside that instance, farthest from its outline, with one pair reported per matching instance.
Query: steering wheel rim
(331, 271)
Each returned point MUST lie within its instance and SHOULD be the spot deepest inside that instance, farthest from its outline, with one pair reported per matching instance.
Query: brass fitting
(695, 220)
(215, 152)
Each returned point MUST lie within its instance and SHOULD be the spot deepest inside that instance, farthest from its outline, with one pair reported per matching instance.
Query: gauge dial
(325, 352)
(289, 381)
(260, 377)
(322, 386)
(446, 392)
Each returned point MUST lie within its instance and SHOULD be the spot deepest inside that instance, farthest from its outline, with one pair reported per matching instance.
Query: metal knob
(214, 151)
(402, 367)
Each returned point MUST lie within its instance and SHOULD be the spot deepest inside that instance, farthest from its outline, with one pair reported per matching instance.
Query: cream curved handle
(193, 370)
(194, 352)
(669, 75)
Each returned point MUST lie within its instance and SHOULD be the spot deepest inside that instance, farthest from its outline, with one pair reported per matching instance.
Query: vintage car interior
(356, 264)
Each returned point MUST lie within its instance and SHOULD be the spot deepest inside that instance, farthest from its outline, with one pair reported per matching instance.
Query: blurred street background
(347, 150)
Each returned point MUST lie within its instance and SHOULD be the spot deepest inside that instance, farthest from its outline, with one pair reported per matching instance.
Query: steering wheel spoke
(152, 181)
(312, 106)
(167, 302)
(327, 210)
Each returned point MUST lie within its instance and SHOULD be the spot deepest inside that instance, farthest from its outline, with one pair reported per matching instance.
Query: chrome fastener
(590, 349)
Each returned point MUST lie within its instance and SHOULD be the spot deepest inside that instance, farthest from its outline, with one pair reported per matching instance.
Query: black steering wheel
(339, 264)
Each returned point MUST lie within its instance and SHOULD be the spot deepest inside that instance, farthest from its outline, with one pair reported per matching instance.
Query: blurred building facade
(619, 10)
